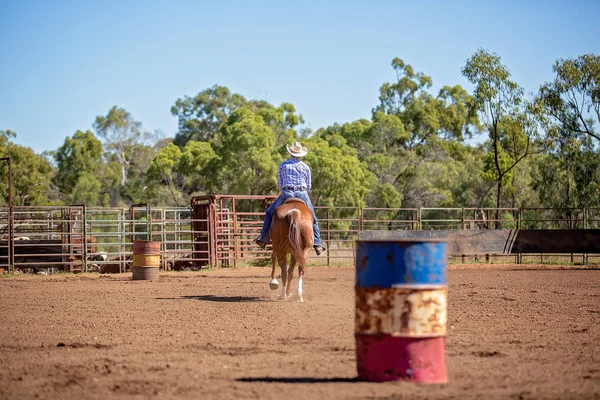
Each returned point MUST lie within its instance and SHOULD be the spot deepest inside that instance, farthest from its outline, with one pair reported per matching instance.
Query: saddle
(294, 200)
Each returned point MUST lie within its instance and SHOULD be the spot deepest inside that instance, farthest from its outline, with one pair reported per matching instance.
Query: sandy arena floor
(515, 332)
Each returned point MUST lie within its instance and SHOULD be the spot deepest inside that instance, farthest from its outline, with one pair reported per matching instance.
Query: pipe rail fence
(218, 231)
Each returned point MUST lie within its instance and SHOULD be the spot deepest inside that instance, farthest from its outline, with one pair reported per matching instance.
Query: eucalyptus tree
(339, 177)
(405, 138)
(247, 157)
(511, 123)
(164, 173)
(31, 174)
(568, 176)
(200, 117)
(175, 175)
(572, 99)
(121, 135)
(80, 169)
(340, 181)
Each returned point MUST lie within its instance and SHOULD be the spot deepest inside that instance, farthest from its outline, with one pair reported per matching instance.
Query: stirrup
(260, 243)
(319, 249)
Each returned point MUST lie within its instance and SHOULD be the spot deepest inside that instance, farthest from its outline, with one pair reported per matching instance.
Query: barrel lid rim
(408, 286)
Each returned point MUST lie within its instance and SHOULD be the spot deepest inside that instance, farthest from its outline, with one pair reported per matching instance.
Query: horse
(291, 233)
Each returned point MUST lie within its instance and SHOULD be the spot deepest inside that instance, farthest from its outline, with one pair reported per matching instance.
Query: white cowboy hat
(296, 149)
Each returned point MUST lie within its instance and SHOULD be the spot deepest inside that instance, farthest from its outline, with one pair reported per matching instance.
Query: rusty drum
(146, 260)
(401, 310)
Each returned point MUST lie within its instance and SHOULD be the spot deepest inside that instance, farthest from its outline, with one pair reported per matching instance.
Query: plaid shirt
(293, 172)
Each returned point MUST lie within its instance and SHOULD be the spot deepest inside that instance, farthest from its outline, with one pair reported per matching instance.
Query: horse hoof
(274, 284)
(300, 299)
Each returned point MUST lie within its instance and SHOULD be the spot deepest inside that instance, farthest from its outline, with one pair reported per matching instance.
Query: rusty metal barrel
(146, 260)
(401, 310)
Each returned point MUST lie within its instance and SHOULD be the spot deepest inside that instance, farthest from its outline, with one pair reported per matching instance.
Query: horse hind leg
(284, 278)
(273, 284)
(300, 275)
(291, 275)
(306, 252)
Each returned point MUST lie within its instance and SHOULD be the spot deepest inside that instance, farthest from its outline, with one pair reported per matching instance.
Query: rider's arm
(279, 178)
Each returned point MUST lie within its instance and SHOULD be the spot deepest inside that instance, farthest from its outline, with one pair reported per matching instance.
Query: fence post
(585, 226)
(163, 235)
(11, 241)
(235, 234)
(85, 240)
(328, 236)
(360, 219)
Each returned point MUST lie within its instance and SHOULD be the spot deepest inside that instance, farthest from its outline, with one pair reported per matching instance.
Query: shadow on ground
(299, 379)
(218, 299)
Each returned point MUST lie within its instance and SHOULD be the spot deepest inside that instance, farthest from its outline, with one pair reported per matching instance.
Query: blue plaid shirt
(293, 172)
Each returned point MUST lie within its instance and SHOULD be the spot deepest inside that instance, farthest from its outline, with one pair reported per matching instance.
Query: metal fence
(218, 230)
(77, 238)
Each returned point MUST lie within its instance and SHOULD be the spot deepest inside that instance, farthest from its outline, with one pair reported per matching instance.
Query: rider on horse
(294, 181)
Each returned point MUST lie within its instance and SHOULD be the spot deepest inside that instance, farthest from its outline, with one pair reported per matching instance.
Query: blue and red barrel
(401, 310)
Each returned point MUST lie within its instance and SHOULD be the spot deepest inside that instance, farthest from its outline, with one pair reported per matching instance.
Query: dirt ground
(515, 332)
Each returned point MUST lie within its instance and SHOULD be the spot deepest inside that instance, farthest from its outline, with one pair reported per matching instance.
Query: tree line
(538, 150)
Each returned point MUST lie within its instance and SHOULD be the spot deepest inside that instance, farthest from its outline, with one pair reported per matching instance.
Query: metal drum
(146, 260)
(401, 310)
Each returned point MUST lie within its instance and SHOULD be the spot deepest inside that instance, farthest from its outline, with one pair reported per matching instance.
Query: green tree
(283, 120)
(569, 176)
(339, 178)
(573, 98)
(199, 165)
(200, 117)
(31, 174)
(247, 158)
(121, 135)
(511, 124)
(403, 144)
(175, 175)
(164, 170)
(80, 169)
(424, 116)
(135, 190)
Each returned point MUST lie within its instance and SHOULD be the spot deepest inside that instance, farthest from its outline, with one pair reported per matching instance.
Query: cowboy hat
(296, 149)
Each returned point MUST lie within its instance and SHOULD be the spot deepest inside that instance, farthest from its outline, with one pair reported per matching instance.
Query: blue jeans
(288, 194)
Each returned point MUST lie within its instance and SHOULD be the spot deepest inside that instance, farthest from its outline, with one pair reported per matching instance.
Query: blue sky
(62, 63)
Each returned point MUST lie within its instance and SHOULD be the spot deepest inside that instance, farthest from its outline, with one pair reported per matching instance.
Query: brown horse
(291, 233)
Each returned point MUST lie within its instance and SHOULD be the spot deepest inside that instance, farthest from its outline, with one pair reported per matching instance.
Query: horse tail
(295, 236)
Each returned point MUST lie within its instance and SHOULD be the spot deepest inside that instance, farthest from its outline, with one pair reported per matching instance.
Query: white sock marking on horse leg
(282, 295)
(300, 289)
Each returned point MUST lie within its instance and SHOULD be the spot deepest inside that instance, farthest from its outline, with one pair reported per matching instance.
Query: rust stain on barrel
(363, 261)
(401, 312)
(146, 260)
